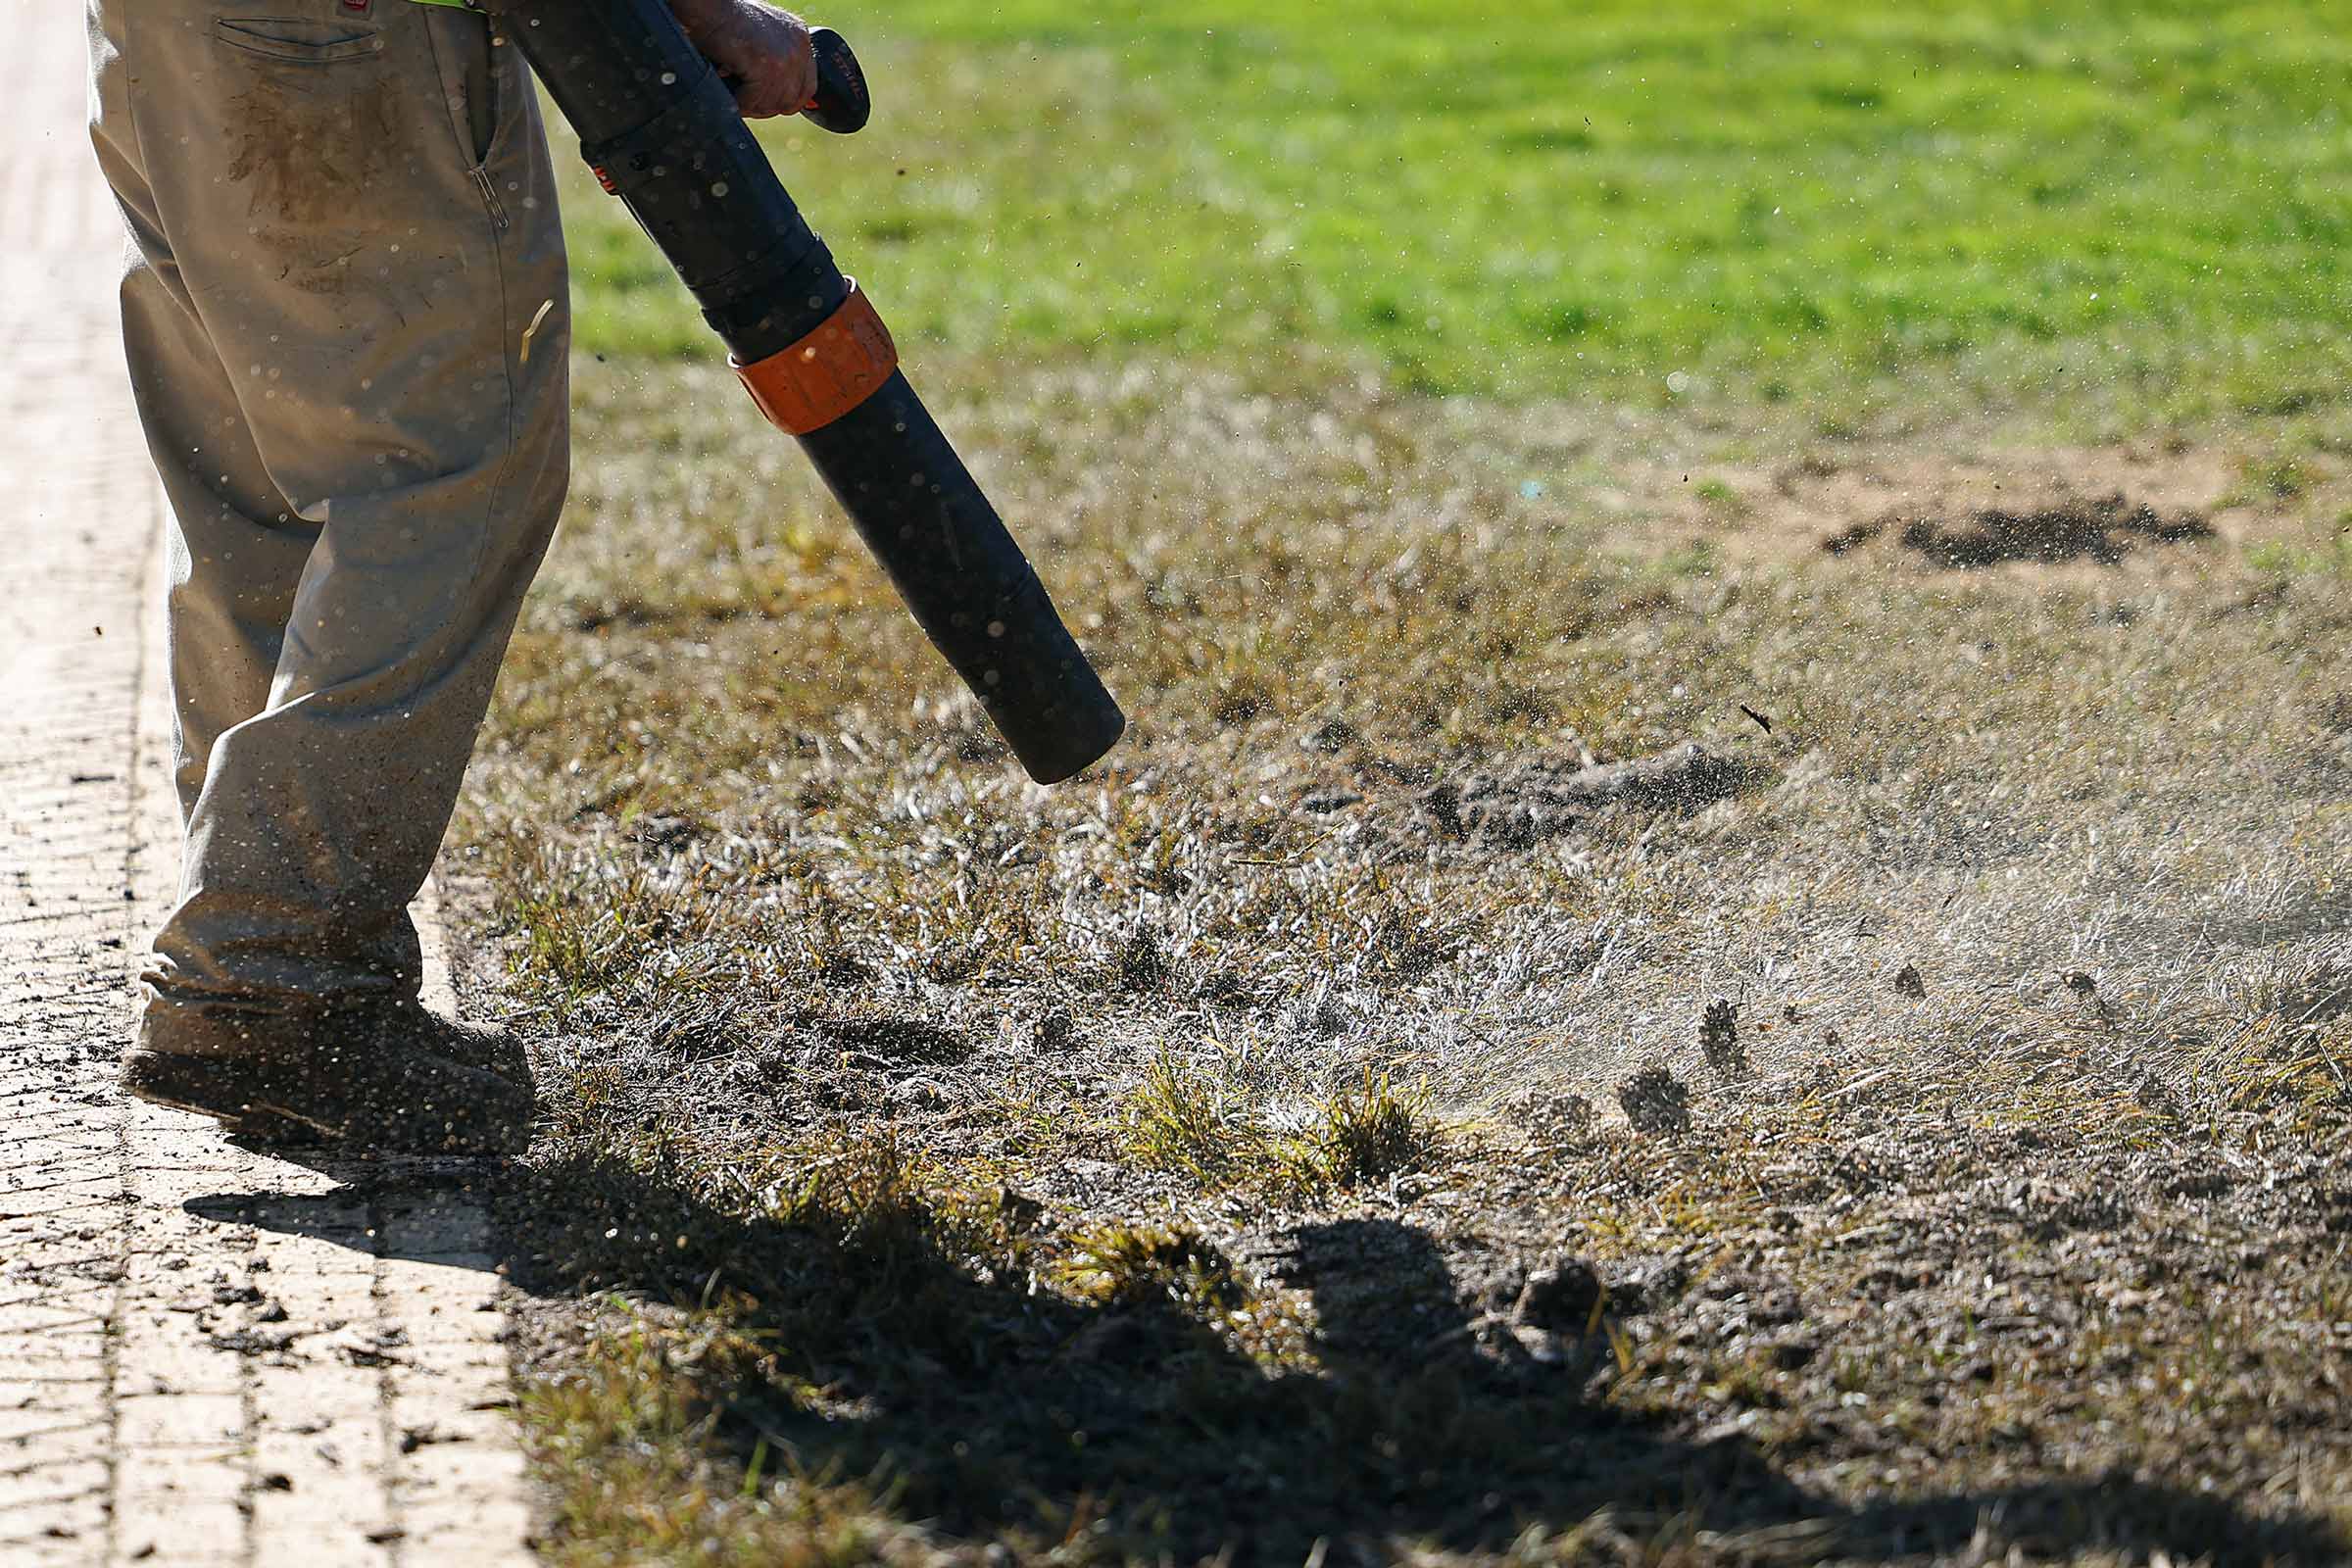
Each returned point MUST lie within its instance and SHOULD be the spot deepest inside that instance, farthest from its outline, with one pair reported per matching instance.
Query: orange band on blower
(828, 372)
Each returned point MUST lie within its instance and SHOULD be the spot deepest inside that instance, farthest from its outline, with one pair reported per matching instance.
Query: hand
(765, 52)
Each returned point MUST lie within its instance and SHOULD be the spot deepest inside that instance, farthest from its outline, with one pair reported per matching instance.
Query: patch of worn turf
(1322, 1125)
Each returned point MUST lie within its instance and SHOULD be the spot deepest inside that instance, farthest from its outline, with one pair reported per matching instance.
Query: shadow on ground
(1000, 1410)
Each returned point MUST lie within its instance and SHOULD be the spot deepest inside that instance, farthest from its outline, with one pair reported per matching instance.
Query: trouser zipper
(498, 209)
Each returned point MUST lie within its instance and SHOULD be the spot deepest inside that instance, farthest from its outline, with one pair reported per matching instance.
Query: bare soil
(1584, 1026)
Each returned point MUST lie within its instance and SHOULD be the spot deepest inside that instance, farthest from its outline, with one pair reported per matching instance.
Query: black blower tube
(662, 130)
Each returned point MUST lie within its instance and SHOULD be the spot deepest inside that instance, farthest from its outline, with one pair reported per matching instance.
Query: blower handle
(843, 103)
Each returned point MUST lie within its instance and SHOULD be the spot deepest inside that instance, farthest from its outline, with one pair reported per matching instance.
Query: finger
(753, 88)
(770, 100)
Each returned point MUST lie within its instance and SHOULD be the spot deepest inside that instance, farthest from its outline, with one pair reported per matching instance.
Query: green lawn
(2121, 215)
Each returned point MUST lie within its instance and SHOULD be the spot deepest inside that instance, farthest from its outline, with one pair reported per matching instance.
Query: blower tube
(661, 129)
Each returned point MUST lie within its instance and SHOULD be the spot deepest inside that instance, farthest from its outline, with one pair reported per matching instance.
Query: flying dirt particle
(1719, 1039)
(1654, 1100)
(1908, 983)
(1761, 721)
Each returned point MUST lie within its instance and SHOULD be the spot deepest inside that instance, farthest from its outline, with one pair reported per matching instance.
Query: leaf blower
(661, 129)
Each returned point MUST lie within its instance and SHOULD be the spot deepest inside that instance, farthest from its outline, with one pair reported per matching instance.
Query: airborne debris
(1719, 1039)
(2103, 530)
(1531, 803)
(1654, 1100)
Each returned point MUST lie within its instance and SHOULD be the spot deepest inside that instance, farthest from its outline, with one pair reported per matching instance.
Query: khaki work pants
(347, 324)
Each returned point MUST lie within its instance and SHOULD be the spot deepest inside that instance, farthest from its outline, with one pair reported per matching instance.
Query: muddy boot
(384, 1078)
(481, 1045)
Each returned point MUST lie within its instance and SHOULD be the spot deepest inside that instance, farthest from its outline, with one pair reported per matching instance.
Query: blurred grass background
(2119, 215)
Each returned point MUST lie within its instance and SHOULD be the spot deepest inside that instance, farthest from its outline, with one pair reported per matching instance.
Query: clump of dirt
(2103, 530)
(1519, 806)
(1654, 1100)
(1719, 1039)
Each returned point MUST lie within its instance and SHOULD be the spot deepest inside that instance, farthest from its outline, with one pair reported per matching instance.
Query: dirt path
(206, 1356)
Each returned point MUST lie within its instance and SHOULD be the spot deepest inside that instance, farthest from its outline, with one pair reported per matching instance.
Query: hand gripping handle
(843, 103)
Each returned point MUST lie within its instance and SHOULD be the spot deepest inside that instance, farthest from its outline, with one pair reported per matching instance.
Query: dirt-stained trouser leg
(346, 318)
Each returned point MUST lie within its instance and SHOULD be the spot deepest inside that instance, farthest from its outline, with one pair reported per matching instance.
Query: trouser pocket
(469, 70)
(299, 41)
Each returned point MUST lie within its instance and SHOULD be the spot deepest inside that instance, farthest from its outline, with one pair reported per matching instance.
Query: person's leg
(352, 314)
(236, 549)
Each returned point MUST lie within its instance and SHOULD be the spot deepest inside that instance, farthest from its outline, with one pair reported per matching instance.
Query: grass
(1253, 1109)
(1751, 971)
(1200, 1124)
(2116, 216)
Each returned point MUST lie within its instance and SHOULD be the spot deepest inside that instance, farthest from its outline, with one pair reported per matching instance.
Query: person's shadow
(909, 1343)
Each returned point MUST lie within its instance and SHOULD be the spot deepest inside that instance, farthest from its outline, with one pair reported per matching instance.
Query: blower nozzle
(660, 129)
